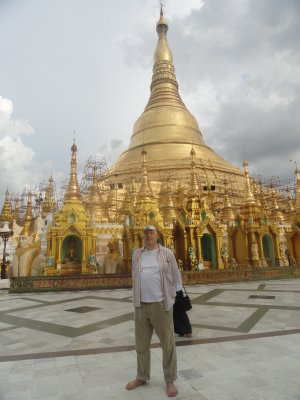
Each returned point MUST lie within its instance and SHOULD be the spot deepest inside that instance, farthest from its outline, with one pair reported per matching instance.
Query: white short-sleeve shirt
(151, 283)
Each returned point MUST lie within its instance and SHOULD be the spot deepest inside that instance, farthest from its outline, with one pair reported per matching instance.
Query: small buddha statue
(72, 253)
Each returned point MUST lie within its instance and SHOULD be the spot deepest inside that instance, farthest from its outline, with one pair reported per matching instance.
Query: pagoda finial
(248, 196)
(49, 205)
(73, 191)
(145, 188)
(6, 214)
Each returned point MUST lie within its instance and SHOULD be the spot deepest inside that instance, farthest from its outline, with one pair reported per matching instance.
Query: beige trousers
(148, 317)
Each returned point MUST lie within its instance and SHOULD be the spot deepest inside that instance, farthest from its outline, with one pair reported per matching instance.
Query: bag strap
(184, 290)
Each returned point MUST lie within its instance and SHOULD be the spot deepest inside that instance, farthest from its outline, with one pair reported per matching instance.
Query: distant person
(154, 277)
(182, 325)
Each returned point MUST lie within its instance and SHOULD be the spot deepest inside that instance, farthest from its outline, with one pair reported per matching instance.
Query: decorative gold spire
(6, 214)
(194, 186)
(167, 208)
(73, 191)
(49, 202)
(164, 86)
(27, 220)
(276, 212)
(227, 213)
(248, 196)
(145, 191)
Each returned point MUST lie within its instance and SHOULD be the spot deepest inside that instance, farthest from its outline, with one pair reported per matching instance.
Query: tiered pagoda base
(117, 281)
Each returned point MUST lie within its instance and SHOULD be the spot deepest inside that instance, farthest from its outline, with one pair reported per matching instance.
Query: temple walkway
(80, 345)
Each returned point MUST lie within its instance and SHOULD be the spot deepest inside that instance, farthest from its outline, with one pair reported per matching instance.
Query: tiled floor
(80, 345)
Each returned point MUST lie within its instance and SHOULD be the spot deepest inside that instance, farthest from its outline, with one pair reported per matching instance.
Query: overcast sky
(86, 66)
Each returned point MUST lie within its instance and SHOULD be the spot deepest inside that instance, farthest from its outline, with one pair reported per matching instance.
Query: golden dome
(167, 131)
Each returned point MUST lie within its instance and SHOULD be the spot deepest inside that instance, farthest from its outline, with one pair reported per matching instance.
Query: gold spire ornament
(73, 191)
(28, 218)
(49, 205)
(145, 191)
(6, 213)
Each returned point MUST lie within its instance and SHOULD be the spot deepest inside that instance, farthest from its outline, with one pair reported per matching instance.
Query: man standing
(154, 278)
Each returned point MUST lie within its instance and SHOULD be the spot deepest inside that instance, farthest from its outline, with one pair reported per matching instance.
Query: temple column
(218, 245)
(199, 247)
(247, 249)
(53, 247)
(83, 260)
(277, 250)
(290, 247)
(48, 246)
(185, 250)
(58, 261)
(230, 247)
(94, 245)
(261, 250)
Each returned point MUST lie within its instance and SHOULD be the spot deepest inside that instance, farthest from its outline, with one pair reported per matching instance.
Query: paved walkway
(80, 345)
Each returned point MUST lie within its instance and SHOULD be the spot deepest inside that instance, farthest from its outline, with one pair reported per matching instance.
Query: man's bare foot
(188, 335)
(171, 389)
(134, 384)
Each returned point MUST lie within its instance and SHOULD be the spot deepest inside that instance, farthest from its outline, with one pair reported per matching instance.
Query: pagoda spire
(49, 202)
(164, 86)
(145, 191)
(6, 214)
(167, 208)
(73, 190)
(194, 186)
(27, 220)
(227, 214)
(276, 212)
(248, 195)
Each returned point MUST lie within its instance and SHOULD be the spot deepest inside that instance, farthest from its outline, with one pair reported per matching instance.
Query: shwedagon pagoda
(212, 214)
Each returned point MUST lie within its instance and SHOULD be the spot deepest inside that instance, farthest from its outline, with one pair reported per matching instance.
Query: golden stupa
(210, 213)
(167, 131)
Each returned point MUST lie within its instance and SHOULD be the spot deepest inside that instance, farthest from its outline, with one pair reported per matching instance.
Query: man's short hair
(149, 228)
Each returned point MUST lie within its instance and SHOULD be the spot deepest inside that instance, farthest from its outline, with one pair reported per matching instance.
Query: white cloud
(9, 126)
(18, 166)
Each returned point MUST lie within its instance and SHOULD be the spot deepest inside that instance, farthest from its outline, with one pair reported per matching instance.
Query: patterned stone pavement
(80, 345)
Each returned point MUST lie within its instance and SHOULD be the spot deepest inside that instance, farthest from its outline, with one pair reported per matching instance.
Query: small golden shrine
(71, 241)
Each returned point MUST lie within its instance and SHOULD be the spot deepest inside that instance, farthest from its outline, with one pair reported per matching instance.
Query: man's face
(150, 238)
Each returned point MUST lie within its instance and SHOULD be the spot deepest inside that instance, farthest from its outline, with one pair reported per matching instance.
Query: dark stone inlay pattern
(117, 349)
(84, 309)
(262, 286)
(255, 296)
